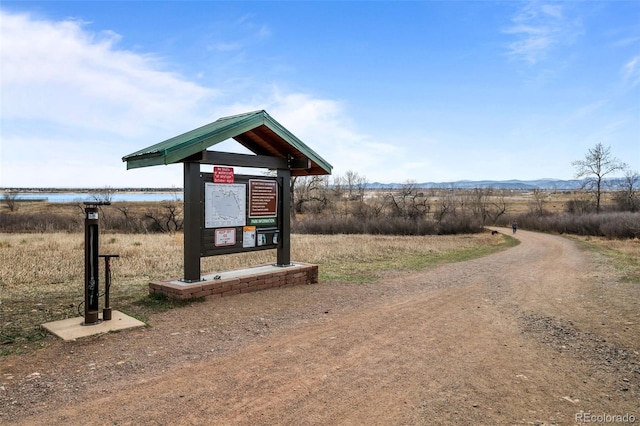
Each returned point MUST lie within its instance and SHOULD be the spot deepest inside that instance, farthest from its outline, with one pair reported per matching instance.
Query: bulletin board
(241, 213)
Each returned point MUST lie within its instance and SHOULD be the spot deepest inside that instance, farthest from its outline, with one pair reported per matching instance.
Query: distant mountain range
(520, 185)
(513, 184)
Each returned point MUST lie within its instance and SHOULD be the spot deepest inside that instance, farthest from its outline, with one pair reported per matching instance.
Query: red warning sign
(223, 175)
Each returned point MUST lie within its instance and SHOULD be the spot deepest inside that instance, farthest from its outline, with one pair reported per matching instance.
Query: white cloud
(538, 28)
(588, 110)
(79, 103)
(631, 71)
(73, 103)
(59, 72)
(222, 46)
(324, 126)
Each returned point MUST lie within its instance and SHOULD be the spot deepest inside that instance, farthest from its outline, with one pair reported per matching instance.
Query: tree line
(343, 204)
(323, 204)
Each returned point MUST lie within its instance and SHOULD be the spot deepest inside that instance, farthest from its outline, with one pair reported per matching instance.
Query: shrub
(384, 226)
(38, 222)
(611, 224)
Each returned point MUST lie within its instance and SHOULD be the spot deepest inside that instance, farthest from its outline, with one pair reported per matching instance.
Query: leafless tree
(350, 189)
(125, 210)
(103, 195)
(480, 203)
(408, 202)
(10, 199)
(354, 185)
(538, 200)
(446, 204)
(488, 204)
(498, 206)
(374, 206)
(597, 163)
(310, 194)
(629, 197)
(167, 219)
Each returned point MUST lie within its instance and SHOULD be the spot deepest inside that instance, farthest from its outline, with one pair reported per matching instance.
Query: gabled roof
(256, 131)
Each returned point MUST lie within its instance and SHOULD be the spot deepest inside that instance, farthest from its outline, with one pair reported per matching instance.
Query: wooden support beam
(193, 218)
(239, 160)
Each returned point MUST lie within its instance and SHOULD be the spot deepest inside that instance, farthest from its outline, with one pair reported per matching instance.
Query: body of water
(79, 197)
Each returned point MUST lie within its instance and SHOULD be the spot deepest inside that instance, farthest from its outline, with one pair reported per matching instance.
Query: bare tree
(167, 219)
(103, 195)
(10, 199)
(354, 185)
(628, 198)
(597, 163)
(488, 204)
(373, 207)
(446, 204)
(350, 190)
(408, 202)
(310, 194)
(539, 197)
(498, 206)
(480, 203)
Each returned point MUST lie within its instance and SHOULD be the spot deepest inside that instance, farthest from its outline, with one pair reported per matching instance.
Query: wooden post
(193, 212)
(284, 245)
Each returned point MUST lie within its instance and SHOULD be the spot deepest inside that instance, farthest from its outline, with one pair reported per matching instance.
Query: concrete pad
(72, 328)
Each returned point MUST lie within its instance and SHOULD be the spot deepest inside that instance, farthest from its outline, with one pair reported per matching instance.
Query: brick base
(240, 281)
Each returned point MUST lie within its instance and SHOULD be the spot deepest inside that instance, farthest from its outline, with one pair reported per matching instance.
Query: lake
(74, 197)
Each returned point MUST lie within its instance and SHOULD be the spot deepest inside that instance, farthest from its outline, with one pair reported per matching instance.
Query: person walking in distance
(514, 226)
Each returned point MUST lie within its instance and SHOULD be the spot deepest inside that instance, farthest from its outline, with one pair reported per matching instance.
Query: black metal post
(106, 311)
(91, 280)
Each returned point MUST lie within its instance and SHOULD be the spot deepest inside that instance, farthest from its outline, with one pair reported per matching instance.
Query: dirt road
(536, 334)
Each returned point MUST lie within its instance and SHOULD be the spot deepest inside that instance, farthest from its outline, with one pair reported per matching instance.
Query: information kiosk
(228, 213)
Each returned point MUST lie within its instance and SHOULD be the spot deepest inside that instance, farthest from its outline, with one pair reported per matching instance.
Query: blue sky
(394, 91)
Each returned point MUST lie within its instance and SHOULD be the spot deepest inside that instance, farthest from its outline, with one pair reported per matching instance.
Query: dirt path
(526, 336)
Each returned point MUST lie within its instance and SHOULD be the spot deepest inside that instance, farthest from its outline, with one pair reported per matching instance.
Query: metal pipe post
(91, 280)
(106, 311)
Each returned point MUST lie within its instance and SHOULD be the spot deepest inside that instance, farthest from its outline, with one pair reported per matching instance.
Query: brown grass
(42, 275)
(35, 263)
(622, 255)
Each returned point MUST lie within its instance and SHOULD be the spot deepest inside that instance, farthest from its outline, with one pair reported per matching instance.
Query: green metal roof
(256, 130)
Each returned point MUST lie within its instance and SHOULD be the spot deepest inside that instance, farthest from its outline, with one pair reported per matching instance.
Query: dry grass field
(42, 275)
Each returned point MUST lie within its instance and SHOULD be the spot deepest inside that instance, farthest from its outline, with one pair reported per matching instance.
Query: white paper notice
(249, 236)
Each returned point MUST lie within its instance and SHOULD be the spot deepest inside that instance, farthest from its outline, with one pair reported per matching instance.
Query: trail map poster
(225, 205)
